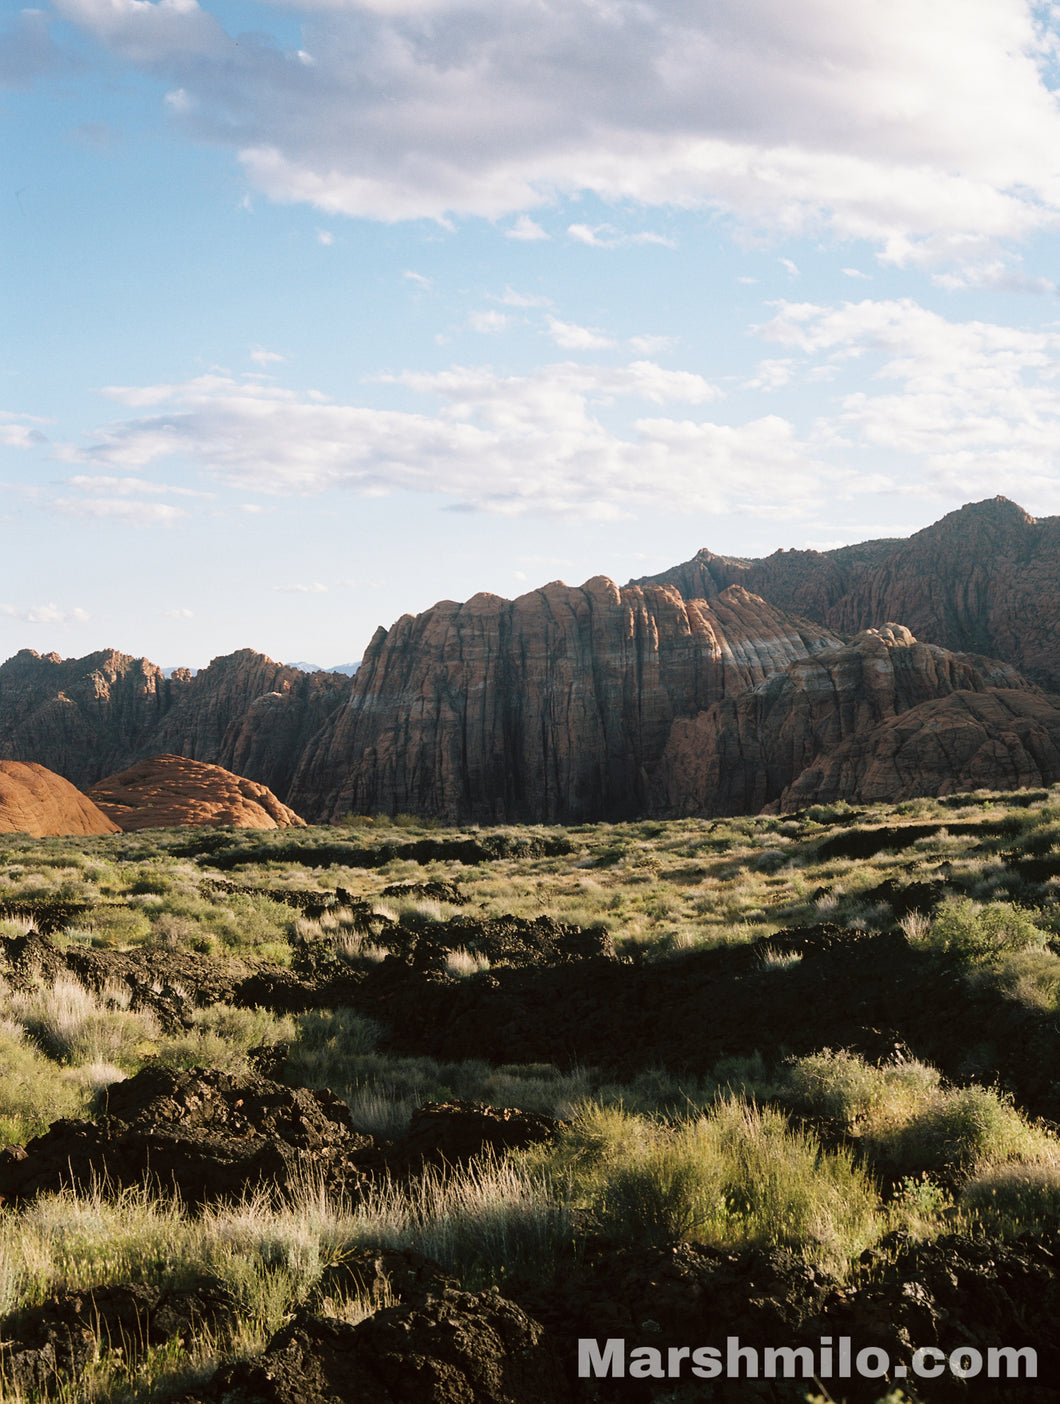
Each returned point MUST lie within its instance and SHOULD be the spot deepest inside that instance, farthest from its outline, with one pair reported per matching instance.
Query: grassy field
(826, 1153)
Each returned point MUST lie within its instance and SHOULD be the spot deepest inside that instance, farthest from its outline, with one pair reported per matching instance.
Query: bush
(1018, 1199)
(981, 935)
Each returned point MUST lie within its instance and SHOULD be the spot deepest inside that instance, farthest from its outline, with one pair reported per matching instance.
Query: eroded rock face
(554, 706)
(885, 717)
(36, 801)
(165, 792)
(984, 579)
(89, 717)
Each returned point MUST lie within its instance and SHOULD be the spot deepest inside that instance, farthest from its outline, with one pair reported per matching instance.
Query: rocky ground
(551, 992)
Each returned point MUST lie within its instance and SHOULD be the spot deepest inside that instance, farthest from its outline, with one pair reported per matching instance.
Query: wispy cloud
(606, 236)
(574, 338)
(526, 230)
(45, 614)
(929, 129)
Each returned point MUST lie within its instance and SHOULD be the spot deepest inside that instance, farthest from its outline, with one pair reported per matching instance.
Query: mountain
(984, 579)
(35, 801)
(883, 717)
(893, 667)
(553, 706)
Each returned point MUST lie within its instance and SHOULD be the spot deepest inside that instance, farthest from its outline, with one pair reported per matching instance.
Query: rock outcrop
(984, 579)
(554, 706)
(89, 717)
(585, 703)
(166, 792)
(36, 801)
(884, 717)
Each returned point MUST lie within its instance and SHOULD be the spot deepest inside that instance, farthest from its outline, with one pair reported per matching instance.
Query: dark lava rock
(46, 1348)
(434, 891)
(453, 1132)
(206, 1134)
(457, 1348)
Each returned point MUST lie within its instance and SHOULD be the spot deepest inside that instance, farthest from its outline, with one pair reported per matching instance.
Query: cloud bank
(927, 128)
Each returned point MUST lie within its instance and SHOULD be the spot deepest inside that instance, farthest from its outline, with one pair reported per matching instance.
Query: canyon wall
(719, 685)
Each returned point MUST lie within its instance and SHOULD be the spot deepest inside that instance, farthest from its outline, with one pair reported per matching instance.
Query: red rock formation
(80, 716)
(852, 723)
(553, 706)
(88, 717)
(38, 802)
(997, 739)
(166, 791)
(984, 579)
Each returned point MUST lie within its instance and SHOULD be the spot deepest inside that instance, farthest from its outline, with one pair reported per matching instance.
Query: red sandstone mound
(166, 791)
(39, 802)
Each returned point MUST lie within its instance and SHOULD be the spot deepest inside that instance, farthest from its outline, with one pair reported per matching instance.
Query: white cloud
(856, 273)
(511, 298)
(538, 443)
(606, 236)
(261, 357)
(325, 237)
(527, 230)
(574, 338)
(488, 322)
(928, 128)
(178, 614)
(127, 487)
(651, 345)
(973, 404)
(120, 510)
(417, 279)
(45, 614)
(21, 430)
(316, 588)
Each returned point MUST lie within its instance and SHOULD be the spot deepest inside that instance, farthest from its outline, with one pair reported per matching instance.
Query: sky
(313, 314)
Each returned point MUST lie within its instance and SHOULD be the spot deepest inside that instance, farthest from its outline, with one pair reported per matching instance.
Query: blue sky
(314, 314)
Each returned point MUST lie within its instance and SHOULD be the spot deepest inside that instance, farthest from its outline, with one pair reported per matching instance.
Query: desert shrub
(222, 1035)
(491, 1222)
(965, 1129)
(1015, 1199)
(72, 1024)
(863, 1099)
(981, 934)
(736, 1175)
(117, 927)
(33, 1092)
(1032, 976)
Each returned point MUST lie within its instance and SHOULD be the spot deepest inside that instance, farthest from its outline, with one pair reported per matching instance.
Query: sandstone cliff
(80, 716)
(165, 792)
(38, 802)
(88, 717)
(984, 579)
(554, 706)
(884, 717)
(586, 703)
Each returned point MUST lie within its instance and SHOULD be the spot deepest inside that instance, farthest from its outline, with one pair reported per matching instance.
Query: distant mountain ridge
(720, 685)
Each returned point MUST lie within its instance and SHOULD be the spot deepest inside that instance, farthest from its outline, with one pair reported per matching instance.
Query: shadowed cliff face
(89, 717)
(984, 579)
(706, 688)
(554, 706)
(884, 717)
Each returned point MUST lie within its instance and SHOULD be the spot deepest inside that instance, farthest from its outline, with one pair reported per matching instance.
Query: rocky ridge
(697, 689)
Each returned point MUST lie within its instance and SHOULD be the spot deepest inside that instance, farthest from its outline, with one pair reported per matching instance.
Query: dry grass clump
(735, 1175)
